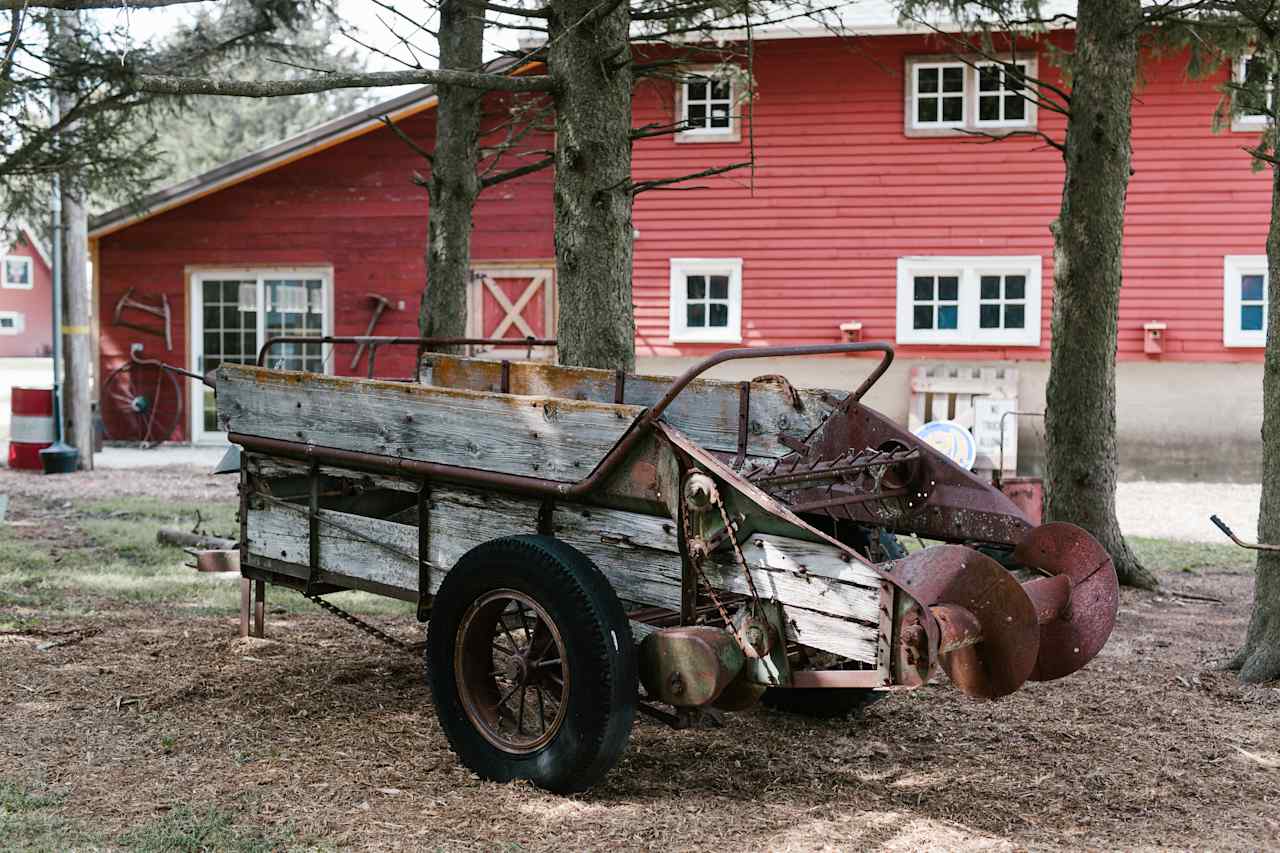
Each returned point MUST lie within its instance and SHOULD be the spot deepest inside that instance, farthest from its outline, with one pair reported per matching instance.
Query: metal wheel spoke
(551, 662)
(503, 701)
(520, 718)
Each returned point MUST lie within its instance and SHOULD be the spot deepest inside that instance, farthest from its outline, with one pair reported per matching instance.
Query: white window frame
(1233, 268)
(1028, 105)
(19, 323)
(940, 124)
(4, 272)
(195, 305)
(970, 269)
(732, 133)
(678, 328)
(1240, 121)
(969, 93)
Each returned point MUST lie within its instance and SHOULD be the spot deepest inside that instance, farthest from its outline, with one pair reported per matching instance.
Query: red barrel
(30, 427)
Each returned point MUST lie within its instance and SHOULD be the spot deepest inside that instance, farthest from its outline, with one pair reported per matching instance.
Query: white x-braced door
(512, 302)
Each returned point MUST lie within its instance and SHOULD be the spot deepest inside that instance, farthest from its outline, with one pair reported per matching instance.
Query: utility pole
(59, 457)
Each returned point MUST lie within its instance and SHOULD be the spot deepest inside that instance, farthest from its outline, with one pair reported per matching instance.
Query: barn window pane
(719, 116)
(927, 110)
(990, 287)
(927, 80)
(953, 78)
(948, 288)
(989, 317)
(1015, 287)
(697, 316)
(948, 316)
(988, 109)
(719, 287)
(698, 90)
(924, 287)
(1251, 288)
(720, 89)
(1251, 318)
(988, 78)
(1015, 108)
(697, 286)
(953, 109)
(719, 314)
(1014, 316)
(923, 318)
(212, 290)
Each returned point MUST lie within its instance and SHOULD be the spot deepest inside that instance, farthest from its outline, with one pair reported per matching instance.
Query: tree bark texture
(1080, 415)
(455, 183)
(1259, 660)
(588, 53)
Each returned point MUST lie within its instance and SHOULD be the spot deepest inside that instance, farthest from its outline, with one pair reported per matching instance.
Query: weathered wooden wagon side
(545, 518)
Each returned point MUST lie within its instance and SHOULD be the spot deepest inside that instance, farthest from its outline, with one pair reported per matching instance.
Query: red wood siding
(352, 207)
(840, 192)
(35, 305)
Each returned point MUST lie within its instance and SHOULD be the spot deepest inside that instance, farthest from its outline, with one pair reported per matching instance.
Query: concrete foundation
(1176, 421)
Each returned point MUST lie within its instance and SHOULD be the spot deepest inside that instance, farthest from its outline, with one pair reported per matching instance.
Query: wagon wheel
(531, 664)
(141, 403)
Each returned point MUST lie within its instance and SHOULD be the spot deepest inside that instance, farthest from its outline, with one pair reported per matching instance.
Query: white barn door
(515, 302)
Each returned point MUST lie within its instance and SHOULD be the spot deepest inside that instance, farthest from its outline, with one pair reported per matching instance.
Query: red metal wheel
(141, 404)
(510, 671)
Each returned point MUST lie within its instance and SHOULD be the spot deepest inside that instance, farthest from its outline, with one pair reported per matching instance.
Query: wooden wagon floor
(161, 728)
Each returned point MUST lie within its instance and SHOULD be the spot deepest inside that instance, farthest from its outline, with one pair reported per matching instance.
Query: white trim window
(706, 300)
(1251, 110)
(999, 90)
(1244, 305)
(19, 272)
(938, 95)
(707, 104)
(986, 301)
(949, 97)
(233, 311)
(12, 323)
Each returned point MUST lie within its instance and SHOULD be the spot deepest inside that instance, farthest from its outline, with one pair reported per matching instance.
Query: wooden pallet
(975, 398)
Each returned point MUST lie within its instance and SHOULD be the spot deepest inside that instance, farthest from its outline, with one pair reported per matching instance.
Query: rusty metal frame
(375, 341)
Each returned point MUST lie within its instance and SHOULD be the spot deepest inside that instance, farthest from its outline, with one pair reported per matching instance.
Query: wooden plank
(533, 436)
(821, 594)
(707, 411)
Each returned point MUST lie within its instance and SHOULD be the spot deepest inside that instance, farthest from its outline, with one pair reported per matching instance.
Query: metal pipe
(1051, 597)
(1252, 546)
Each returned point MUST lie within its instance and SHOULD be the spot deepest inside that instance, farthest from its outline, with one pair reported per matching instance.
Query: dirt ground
(135, 722)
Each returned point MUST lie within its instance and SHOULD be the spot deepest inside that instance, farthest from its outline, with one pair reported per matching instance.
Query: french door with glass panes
(233, 312)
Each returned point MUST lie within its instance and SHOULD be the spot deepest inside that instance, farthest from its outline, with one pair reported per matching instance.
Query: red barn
(872, 210)
(26, 307)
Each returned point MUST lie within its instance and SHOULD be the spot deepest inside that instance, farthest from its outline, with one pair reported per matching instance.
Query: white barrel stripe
(31, 429)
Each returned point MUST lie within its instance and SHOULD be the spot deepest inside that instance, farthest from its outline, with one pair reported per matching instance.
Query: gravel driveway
(1182, 510)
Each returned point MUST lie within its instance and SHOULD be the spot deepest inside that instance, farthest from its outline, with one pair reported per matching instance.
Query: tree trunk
(454, 183)
(588, 59)
(1080, 411)
(1259, 660)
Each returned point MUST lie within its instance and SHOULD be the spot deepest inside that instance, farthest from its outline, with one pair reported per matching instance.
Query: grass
(28, 822)
(1174, 556)
(184, 829)
(120, 563)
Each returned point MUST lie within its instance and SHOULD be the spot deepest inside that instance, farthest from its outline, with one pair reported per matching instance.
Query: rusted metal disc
(955, 575)
(1071, 640)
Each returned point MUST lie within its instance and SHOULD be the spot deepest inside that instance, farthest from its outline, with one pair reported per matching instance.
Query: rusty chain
(371, 630)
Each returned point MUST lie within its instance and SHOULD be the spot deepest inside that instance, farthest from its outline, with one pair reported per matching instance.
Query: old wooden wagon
(584, 543)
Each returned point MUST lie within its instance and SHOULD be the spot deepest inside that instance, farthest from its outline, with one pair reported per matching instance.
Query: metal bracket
(313, 529)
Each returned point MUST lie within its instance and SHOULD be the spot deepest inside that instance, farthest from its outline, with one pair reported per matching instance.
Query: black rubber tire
(600, 651)
(822, 703)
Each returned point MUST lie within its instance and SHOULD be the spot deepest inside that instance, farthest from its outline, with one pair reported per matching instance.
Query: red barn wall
(840, 192)
(352, 207)
(35, 305)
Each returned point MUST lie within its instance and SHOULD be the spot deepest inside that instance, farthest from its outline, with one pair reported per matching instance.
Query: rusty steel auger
(995, 632)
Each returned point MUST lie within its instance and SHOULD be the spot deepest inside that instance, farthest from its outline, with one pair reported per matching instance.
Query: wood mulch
(321, 734)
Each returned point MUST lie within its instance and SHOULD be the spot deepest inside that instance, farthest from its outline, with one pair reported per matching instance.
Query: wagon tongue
(996, 633)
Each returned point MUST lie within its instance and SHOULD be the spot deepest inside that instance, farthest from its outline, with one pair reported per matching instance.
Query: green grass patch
(184, 829)
(28, 822)
(122, 564)
(1171, 555)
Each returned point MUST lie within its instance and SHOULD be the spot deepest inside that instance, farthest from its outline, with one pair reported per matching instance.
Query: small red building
(26, 307)
(872, 210)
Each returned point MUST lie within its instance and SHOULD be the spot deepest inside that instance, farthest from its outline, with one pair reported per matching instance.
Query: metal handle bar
(383, 340)
(155, 362)
(1252, 546)
(721, 357)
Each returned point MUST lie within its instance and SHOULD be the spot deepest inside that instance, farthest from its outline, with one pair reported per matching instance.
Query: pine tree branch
(80, 5)
(166, 84)
(642, 186)
(518, 171)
